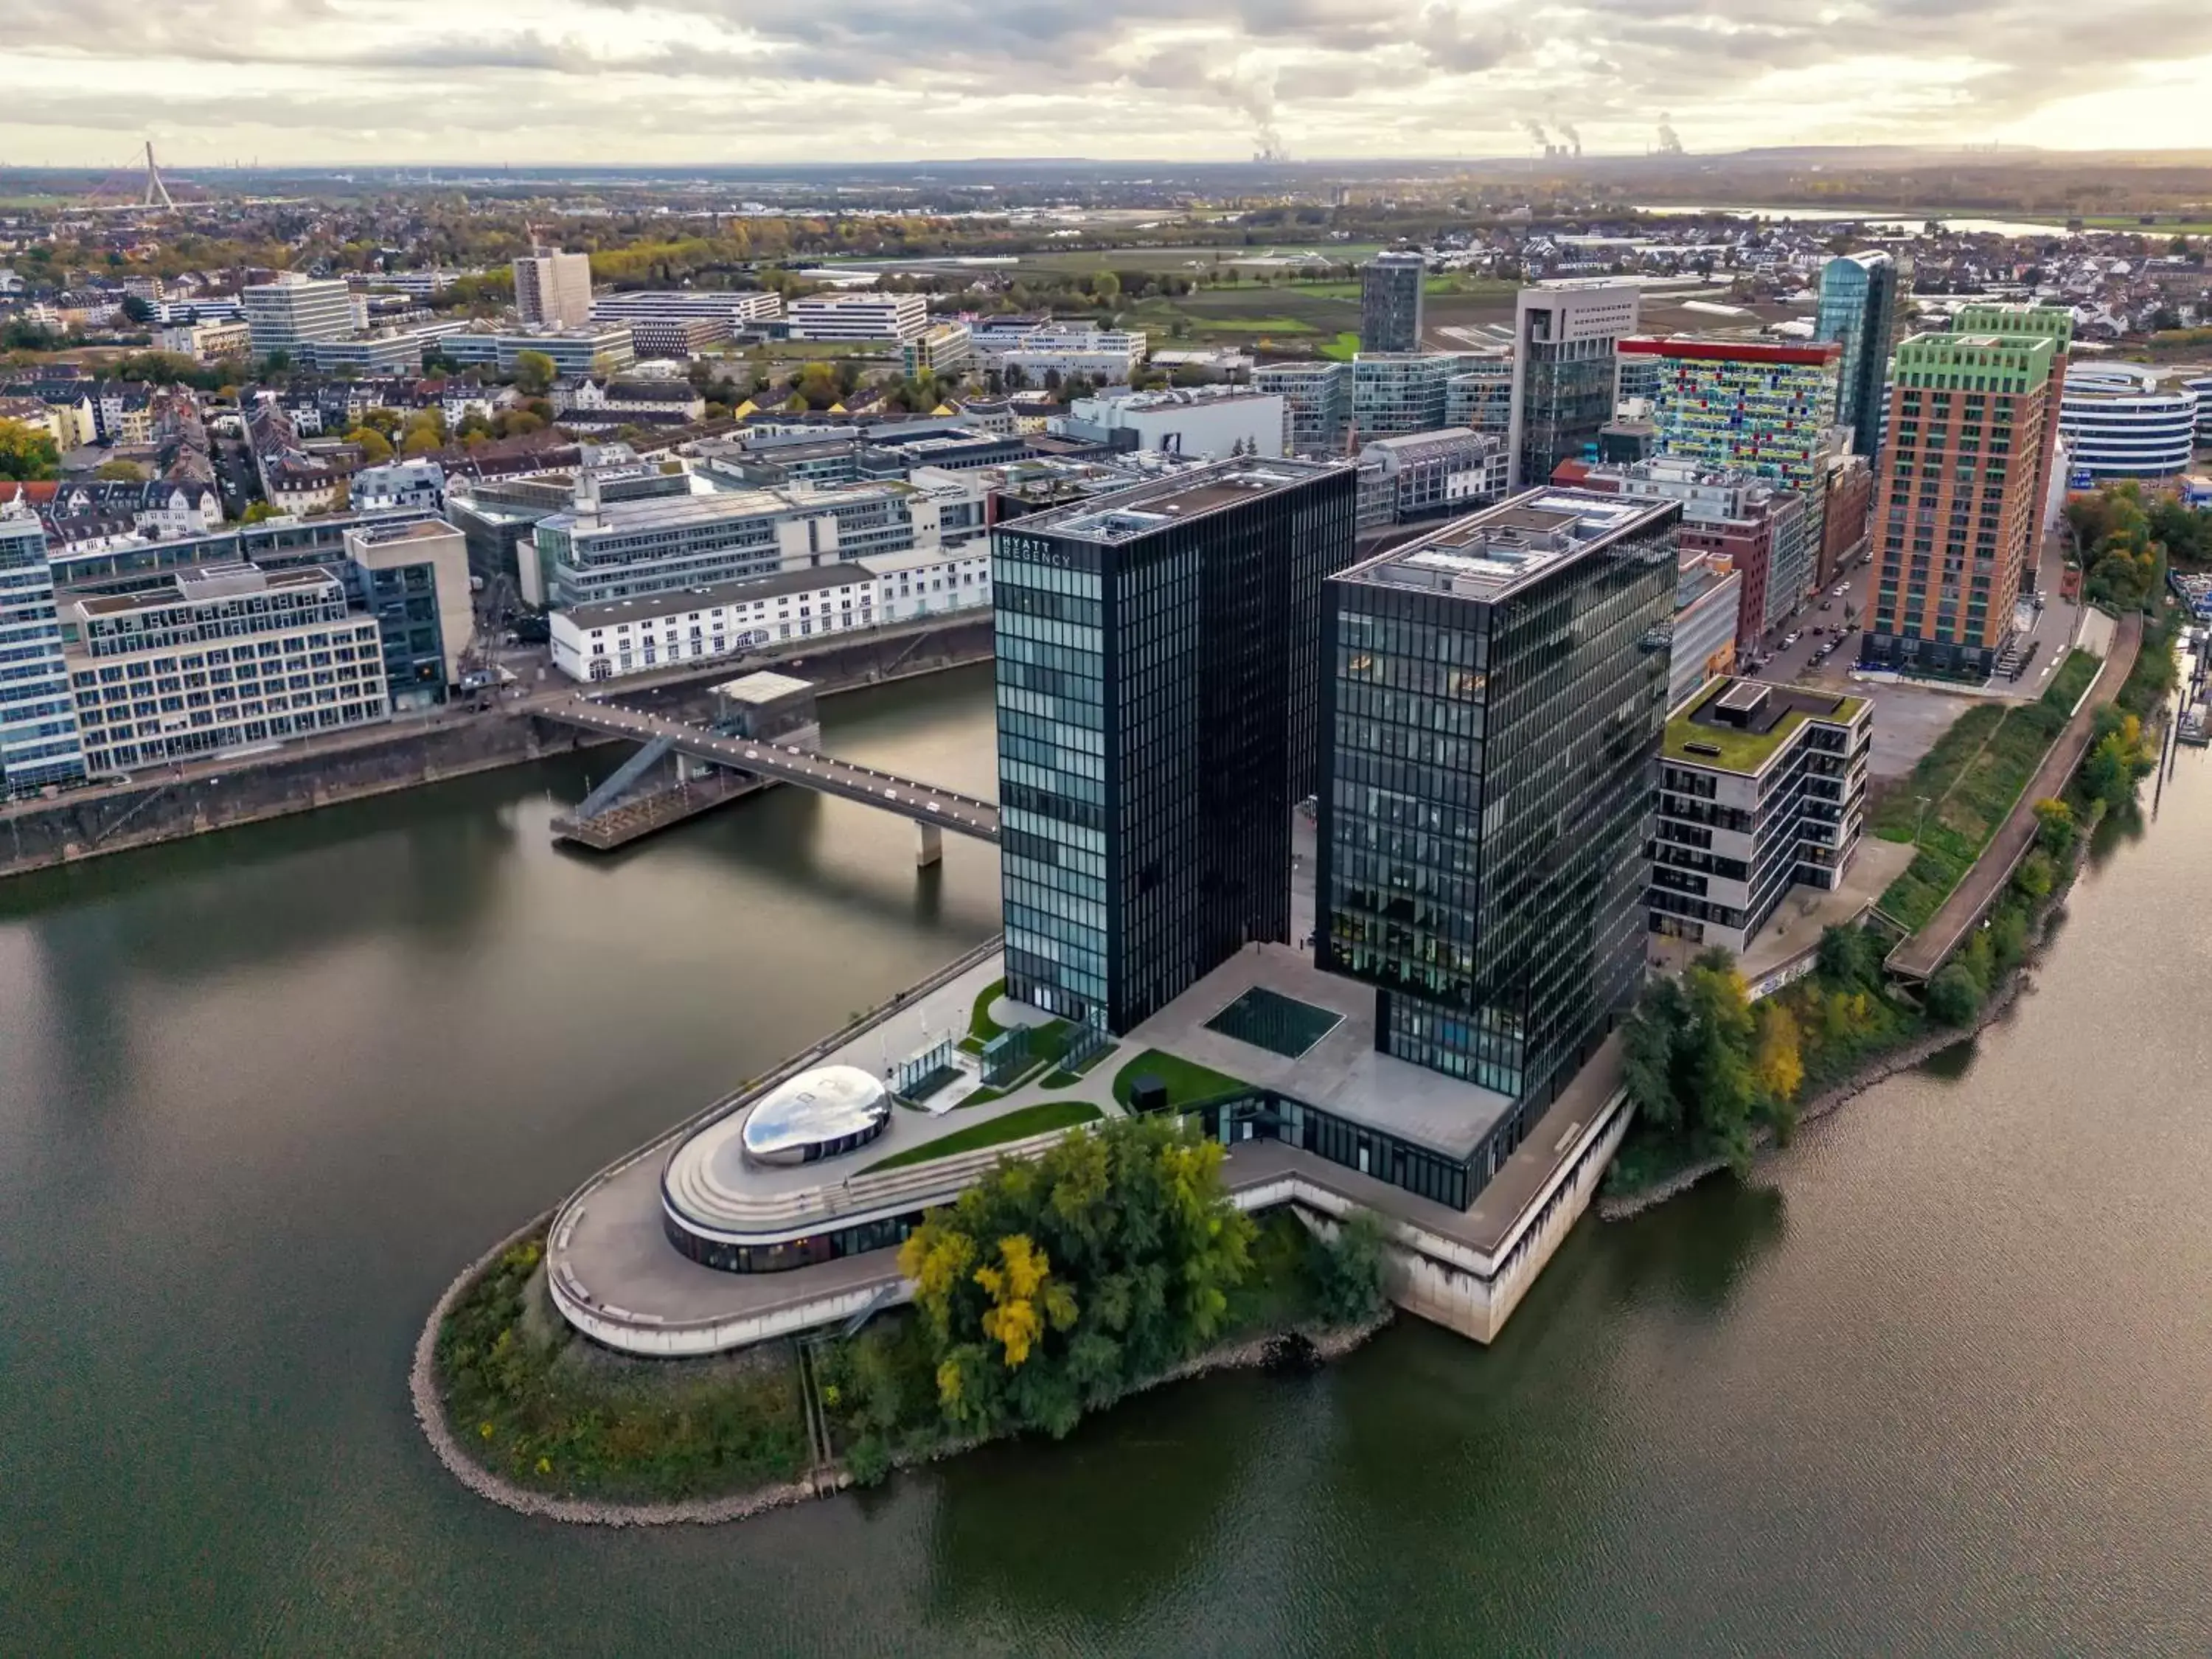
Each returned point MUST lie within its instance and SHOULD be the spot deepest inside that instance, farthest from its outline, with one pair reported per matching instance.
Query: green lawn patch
(536, 1404)
(1343, 349)
(1959, 795)
(1016, 1125)
(1739, 751)
(2073, 677)
(981, 1026)
(1188, 1083)
(1250, 325)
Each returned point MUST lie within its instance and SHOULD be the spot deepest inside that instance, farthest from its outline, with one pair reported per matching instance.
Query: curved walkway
(1922, 955)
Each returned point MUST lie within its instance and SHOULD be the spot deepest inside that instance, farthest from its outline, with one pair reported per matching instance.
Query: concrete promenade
(1924, 952)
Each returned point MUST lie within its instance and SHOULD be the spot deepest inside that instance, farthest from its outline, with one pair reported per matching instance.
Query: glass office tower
(1859, 303)
(1566, 336)
(1390, 302)
(1159, 676)
(1495, 700)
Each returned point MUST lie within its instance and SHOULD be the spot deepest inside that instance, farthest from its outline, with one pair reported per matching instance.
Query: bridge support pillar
(928, 845)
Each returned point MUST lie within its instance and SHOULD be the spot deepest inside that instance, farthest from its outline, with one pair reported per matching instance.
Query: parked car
(1789, 640)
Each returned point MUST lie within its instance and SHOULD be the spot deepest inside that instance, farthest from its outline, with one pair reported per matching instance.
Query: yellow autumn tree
(1776, 1061)
(1025, 1295)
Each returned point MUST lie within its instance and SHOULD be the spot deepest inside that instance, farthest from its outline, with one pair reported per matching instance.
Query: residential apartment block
(553, 290)
(1761, 787)
(1956, 506)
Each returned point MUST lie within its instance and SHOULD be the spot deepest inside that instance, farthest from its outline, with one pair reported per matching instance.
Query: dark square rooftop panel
(1280, 1024)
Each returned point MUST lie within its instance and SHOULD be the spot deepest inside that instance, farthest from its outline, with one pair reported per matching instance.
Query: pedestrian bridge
(934, 810)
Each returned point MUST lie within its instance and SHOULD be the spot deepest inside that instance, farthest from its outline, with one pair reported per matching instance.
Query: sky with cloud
(319, 82)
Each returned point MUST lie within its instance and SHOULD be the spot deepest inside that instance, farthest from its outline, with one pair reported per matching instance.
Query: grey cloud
(1631, 57)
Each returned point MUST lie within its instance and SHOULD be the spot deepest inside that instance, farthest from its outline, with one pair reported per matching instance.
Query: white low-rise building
(1108, 356)
(622, 637)
(898, 317)
(419, 482)
(1211, 422)
(206, 343)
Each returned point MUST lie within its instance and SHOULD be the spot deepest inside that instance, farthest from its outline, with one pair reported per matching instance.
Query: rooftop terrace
(1739, 725)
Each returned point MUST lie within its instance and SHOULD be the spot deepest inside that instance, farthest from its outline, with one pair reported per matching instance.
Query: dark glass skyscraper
(1158, 684)
(1496, 696)
(1390, 302)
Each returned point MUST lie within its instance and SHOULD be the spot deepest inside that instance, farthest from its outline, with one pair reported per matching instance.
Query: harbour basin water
(1935, 1379)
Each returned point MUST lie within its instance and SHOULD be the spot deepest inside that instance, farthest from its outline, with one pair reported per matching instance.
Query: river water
(1937, 1380)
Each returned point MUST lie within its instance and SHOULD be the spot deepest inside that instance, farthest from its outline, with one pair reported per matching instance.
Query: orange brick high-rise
(1957, 506)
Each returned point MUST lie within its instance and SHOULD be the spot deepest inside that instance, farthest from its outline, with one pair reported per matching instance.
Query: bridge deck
(925, 803)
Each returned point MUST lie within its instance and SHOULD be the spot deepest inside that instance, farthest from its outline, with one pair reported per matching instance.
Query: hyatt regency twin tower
(1477, 712)
(1158, 674)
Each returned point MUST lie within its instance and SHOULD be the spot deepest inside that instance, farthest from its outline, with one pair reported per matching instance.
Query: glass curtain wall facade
(39, 742)
(1858, 309)
(1158, 681)
(1495, 704)
(1390, 302)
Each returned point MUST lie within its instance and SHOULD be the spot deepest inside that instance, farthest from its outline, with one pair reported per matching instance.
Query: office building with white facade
(206, 343)
(1419, 475)
(38, 744)
(622, 637)
(895, 317)
(2125, 421)
(600, 349)
(735, 308)
(1108, 356)
(1209, 422)
(225, 656)
(940, 349)
(282, 315)
(631, 550)
(553, 290)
